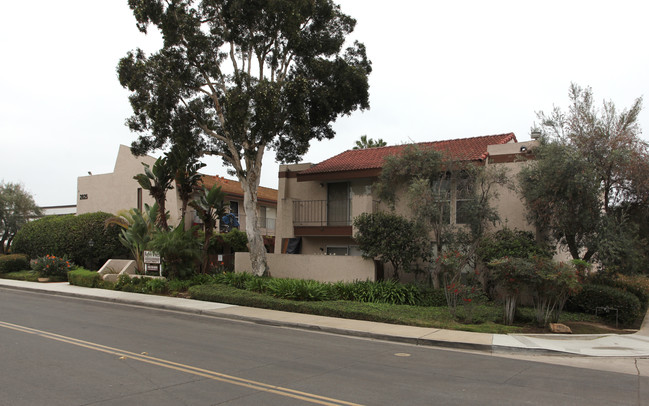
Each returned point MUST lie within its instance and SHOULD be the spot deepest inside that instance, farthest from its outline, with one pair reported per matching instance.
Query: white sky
(442, 70)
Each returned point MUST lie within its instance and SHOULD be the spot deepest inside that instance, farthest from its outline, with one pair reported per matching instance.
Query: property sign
(152, 262)
(151, 257)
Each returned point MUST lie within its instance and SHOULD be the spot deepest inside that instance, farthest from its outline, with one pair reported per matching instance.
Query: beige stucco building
(317, 203)
(115, 191)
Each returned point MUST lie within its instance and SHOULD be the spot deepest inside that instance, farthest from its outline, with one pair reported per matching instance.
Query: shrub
(297, 289)
(14, 263)
(179, 250)
(552, 283)
(636, 284)
(69, 236)
(234, 279)
(390, 291)
(157, 285)
(592, 297)
(510, 243)
(236, 239)
(429, 296)
(85, 278)
(51, 266)
(512, 276)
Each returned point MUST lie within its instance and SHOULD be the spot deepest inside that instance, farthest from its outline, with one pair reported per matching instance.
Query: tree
(17, 207)
(157, 180)
(138, 228)
(442, 193)
(185, 169)
(251, 76)
(609, 141)
(591, 167)
(210, 207)
(390, 238)
(365, 143)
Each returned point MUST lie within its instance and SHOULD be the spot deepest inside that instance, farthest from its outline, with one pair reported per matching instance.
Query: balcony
(266, 224)
(322, 217)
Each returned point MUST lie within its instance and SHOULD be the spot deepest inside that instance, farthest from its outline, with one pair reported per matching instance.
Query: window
(139, 199)
(454, 193)
(338, 204)
(234, 209)
(262, 217)
(463, 198)
(442, 193)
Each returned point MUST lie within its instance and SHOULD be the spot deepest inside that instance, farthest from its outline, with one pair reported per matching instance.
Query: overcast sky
(441, 70)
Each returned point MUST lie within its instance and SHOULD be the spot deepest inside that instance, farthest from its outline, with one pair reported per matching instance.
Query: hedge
(638, 285)
(593, 296)
(69, 236)
(14, 263)
(85, 278)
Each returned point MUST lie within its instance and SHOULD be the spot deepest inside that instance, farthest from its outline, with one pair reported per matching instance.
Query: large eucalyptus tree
(252, 75)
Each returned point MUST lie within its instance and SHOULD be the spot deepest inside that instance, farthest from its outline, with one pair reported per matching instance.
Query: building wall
(508, 203)
(112, 192)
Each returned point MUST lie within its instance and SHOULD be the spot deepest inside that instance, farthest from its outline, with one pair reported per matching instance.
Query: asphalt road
(66, 351)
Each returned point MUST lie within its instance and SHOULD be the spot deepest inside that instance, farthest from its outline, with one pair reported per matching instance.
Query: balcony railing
(266, 224)
(310, 213)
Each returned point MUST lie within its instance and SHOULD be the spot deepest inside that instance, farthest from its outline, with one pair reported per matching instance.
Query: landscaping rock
(559, 328)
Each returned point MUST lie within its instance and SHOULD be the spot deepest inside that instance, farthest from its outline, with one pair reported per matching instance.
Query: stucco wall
(323, 268)
(112, 192)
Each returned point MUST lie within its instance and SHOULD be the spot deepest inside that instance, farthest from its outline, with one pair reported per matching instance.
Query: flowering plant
(52, 266)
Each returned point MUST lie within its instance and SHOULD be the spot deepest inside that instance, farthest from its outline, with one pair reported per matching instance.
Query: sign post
(152, 262)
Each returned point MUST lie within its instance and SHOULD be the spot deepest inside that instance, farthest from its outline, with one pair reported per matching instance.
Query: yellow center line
(216, 376)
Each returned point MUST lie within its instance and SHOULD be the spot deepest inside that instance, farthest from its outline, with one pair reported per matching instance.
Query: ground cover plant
(385, 301)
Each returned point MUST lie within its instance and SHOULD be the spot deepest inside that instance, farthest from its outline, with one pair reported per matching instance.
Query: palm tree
(365, 143)
(185, 171)
(210, 207)
(157, 180)
(138, 228)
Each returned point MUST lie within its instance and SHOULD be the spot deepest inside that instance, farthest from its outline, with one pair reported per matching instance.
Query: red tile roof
(233, 188)
(465, 149)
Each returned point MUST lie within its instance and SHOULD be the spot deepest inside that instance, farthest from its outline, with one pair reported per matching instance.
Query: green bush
(14, 263)
(378, 292)
(429, 296)
(234, 279)
(636, 284)
(157, 285)
(592, 297)
(510, 243)
(85, 278)
(142, 284)
(297, 289)
(69, 236)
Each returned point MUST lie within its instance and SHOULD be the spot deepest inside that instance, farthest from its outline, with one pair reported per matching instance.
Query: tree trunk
(255, 240)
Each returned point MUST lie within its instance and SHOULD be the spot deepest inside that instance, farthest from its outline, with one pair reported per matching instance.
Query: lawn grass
(28, 275)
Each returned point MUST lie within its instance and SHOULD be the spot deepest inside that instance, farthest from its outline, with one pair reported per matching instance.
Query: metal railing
(322, 213)
(265, 224)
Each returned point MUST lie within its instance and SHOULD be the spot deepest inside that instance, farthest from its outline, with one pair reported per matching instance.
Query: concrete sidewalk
(603, 345)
